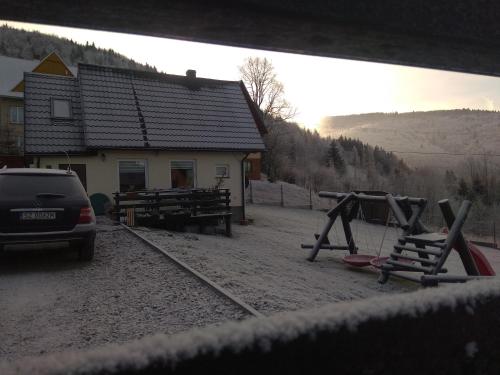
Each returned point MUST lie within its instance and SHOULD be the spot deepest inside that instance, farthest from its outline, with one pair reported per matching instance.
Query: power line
(442, 153)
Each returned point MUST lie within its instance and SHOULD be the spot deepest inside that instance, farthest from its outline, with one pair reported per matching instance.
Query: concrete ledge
(450, 329)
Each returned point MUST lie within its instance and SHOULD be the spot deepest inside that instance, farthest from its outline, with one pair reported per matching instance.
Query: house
(125, 130)
(12, 101)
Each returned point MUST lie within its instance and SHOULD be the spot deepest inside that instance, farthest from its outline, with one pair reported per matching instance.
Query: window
(61, 108)
(222, 170)
(132, 175)
(16, 115)
(182, 174)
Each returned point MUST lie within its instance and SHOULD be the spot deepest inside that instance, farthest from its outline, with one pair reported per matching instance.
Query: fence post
(310, 198)
(494, 234)
(251, 191)
(282, 202)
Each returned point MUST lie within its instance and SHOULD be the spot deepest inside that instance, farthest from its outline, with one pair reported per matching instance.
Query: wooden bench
(170, 205)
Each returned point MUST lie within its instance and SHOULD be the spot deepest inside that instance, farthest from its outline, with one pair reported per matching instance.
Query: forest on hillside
(305, 158)
(34, 45)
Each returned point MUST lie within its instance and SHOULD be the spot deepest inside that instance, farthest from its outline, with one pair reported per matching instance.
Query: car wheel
(86, 252)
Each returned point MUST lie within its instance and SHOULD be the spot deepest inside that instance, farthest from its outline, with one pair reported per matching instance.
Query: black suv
(45, 205)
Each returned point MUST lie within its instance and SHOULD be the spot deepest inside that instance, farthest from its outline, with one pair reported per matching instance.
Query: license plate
(38, 215)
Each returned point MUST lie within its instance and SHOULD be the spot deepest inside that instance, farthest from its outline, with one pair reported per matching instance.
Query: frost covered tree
(336, 158)
(34, 45)
(265, 89)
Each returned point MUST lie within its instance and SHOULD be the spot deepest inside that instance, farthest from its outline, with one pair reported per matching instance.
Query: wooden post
(131, 217)
(227, 200)
(193, 197)
(227, 219)
(398, 213)
(347, 232)
(282, 202)
(455, 226)
(321, 238)
(117, 206)
(494, 234)
(157, 198)
(310, 198)
(332, 216)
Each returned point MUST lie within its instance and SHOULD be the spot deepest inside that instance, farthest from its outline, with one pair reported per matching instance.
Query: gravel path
(51, 302)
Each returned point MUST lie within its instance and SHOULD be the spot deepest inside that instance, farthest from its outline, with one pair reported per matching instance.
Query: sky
(316, 86)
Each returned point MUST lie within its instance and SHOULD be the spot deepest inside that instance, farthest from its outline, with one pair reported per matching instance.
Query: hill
(33, 45)
(438, 132)
(299, 156)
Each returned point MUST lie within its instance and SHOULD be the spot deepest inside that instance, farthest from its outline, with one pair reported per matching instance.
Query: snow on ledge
(255, 332)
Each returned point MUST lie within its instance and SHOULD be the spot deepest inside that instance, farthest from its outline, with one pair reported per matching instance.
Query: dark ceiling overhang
(457, 35)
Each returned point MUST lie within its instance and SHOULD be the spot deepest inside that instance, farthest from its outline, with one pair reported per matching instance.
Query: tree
(266, 91)
(336, 157)
(463, 190)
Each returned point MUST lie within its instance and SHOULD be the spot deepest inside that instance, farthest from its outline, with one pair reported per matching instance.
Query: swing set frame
(406, 211)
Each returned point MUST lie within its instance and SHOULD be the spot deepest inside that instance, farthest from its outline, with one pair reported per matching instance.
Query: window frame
(146, 172)
(228, 170)
(195, 171)
(53, 115)
(19, 110)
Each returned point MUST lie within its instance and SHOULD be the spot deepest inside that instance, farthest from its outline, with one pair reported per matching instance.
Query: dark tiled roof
(44, 134)
(132, 109)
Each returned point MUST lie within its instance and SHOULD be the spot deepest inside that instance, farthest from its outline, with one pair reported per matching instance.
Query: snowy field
(51, 302)
(264, 265)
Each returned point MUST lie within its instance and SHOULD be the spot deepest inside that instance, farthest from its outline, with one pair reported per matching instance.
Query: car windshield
(18, 186)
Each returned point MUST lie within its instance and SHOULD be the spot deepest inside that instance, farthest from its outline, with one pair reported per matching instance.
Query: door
(80, 170)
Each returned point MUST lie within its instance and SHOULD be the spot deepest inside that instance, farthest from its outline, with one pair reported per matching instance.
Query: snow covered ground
(264, 265)
(51, 302)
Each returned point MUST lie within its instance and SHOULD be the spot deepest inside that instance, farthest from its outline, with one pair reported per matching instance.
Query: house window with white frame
(132, 175)
(61, 108)
(222, 171)
(182, 174)
(16, 114)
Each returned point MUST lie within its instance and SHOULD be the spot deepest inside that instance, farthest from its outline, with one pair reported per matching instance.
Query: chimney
(190, 73)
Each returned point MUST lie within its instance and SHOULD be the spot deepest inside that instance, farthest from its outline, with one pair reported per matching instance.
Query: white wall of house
(103, 176)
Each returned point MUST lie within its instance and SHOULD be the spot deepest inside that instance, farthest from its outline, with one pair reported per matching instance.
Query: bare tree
(266, 91)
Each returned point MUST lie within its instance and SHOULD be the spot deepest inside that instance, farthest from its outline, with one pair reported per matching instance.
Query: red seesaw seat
(358, 260)
(482, 264)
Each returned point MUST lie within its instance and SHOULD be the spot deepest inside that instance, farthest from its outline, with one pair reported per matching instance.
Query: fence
(175, 206)
(285, 195)
(293, 196)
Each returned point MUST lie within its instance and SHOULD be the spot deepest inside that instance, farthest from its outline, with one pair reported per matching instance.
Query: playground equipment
(405, 210)
(429, 251)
